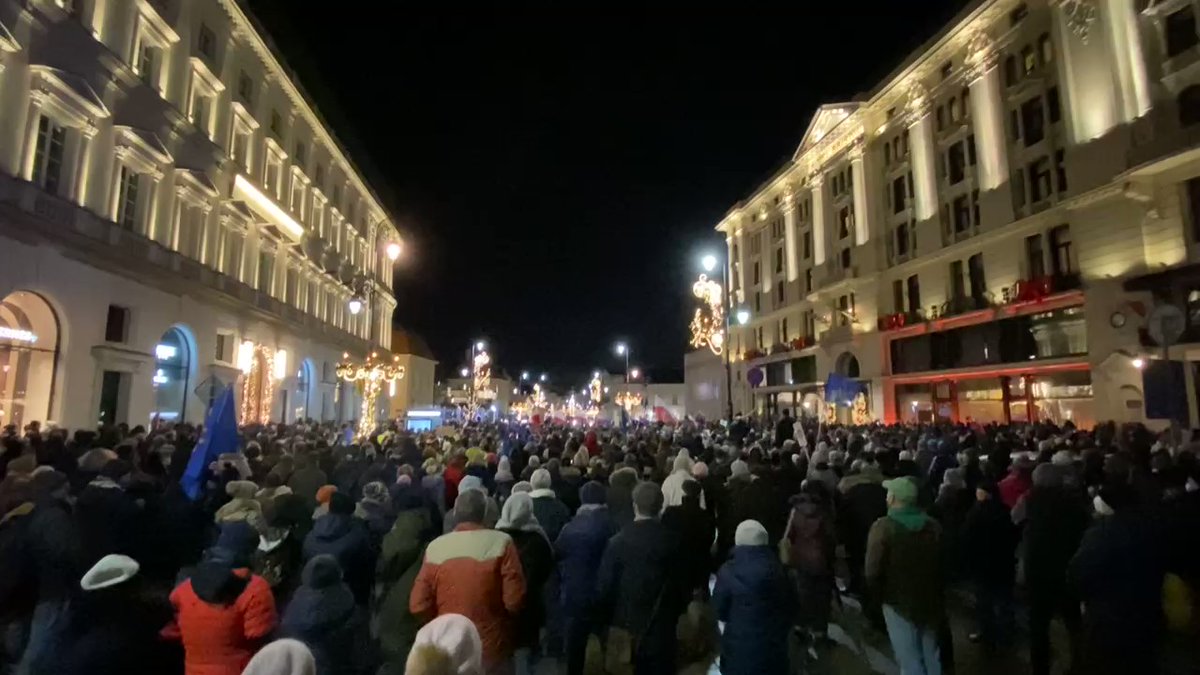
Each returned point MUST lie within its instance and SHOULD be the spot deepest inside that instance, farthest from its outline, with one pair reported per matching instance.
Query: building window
(273, 174)
(975, 272)
(902, 239)
(1046, 48)
(808, 285)
(1053, 105)
(1062, 255)
(224, 348)
(1034, 257)
(276, 124)
(245, 88)
(48, 154)
(897, 296)
(201, 111)
(844, 259)
(127, 198)
(206, 42)
(946, 70)
(147, 64)
(116, 324)
(1040, 186)
(779, 294)
(1189, 105)
(1033, 120)
(914, 293)
(962, 214)
(956, 163)
(301, 154)
(1028, 60)
(1014, 124)
(807, 244)
(1010, 70)
(1193, 202)
(266, 271)
(757, 273)
(899, 194)
(778, 261)
(1180, 30)
(845, 222)
(957, 290)
(233, 255)
(1060, 170)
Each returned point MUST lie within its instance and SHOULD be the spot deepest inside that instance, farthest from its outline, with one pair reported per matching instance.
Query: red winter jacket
(220, 639)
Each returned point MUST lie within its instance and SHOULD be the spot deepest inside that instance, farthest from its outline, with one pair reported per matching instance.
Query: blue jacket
(754, 599)
(344, 537)
(579, 548)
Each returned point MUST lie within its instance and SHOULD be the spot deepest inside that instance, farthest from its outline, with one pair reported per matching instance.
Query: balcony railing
(899, 320)
(1039, 288)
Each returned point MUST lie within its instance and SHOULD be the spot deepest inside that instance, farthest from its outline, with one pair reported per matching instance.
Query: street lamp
(464, 372)
(543, 378)
(635, 374)
(743, 316)
(525, 375)
(355, 305)
(393, 250)
(623, 350)
(709, 262)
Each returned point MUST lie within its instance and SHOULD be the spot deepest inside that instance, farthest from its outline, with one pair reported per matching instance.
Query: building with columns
(175, 216)
(984, 234)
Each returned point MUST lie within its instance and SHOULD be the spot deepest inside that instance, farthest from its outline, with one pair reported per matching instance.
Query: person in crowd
(989, 540)
(448, 645)
(537, 562)
(242, 504)
(862, 501)
(903, 571)
(396, 573)
(810, 549)
(504, 478)
(551, 513)
(745, 499)
(475, 572)
(1055, 518)
(1118, 575)
(695, 529)
(640, 591)
(579, 550)
(1018, 481)
(282, 657)
(223, 612)
(681, 473)
(753, 598)
(112, 626)
(620, 495)
(784, 429)
(375, 510)
(950, 508)
(107, 516)
(340, 534)
(307, 478)
(323, 615)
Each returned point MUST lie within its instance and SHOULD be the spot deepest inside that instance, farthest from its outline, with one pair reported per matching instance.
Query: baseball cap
(903, 488)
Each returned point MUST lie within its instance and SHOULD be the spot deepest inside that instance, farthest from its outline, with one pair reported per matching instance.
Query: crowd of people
(492, 548)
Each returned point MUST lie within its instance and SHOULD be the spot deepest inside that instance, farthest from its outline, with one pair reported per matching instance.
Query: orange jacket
(221, 639)
(475, 572)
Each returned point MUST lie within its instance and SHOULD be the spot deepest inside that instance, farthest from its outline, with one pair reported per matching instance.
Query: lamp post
(623, 350)
(709, 262)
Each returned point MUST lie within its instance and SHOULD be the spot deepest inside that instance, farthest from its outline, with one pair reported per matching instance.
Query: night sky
(558, 172)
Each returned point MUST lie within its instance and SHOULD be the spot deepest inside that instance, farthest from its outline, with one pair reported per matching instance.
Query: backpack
(18, 583)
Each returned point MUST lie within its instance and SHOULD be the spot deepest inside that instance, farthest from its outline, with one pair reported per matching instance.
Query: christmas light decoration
(629, 400)
(859, 411)
(481, 379)
(708, 323)
(370, 375)
(257, 363)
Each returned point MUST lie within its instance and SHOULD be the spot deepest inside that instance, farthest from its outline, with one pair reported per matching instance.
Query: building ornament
(834, 143)
(981, 56)
(916, 104)
(1079, 15)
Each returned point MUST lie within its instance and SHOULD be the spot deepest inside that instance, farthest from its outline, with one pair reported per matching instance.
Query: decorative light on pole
(355, 305)
(623, 350)
(708, 323)
(393, 250)
(372, 375)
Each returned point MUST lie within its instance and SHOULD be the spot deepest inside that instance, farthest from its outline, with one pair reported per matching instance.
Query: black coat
(108, 520)
(55, 551)
(695, 528)
(1055, 520)
(114, 631)
(754, 599)
(747, 500)
(639, 586)
(345, 538)
(1118, 575)
(537, 562)
(332, 626)
(990, 542)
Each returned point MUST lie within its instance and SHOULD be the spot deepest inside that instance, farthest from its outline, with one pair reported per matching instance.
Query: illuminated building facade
(972, 238)
(175, 217)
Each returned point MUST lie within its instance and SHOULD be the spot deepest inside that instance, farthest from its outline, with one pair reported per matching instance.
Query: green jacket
(904, 570)
(399, 561)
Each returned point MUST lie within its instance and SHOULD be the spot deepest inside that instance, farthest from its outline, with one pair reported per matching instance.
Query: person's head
(692, 491)
(282, 657)
(739, 469)
(235, 544)
(986, 490)
(517, 512)
(341, 504)
(522, 486)
(541, 479)
(375, 491)
(901, 492)
(682, 462)
(647, 500)
(241, 489)
(470, 507)
(448, 645)
(321, 571)
(750, 533)
(593, 492)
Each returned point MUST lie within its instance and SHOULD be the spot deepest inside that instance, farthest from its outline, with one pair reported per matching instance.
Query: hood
(332, 526)
(543, 492)
(752, 565)
(217, 583)
(318, 610)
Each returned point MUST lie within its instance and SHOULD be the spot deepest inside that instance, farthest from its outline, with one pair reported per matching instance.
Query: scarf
(910, 517)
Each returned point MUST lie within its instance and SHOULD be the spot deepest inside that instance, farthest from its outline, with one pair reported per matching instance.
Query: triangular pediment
(828, 117)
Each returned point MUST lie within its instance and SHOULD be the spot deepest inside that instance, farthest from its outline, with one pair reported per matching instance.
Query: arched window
(1189, 106)
(847, 365)
(28, 356)
(172, 370)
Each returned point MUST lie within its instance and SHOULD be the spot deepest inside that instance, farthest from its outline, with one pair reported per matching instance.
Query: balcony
(837, 334)
(962, 305)
(1040, 288)
(900, 320)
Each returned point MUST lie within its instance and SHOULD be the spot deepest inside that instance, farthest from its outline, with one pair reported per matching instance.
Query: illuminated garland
(481, 373)
(261, 399)
(596, 389)
(708, 323)
(372, 375)
(628, 400)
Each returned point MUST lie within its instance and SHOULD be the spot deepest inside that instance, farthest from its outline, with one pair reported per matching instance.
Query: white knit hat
(111, 570)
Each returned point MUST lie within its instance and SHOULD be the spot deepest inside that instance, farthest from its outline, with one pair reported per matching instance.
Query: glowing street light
(525, 375)
(543, 378)
(709, 262)
(743, 316)
(480, 346)
(635, 374)
(621, 348)
(356, 305)
(1138, 363)
(464, 372)
(393, 250)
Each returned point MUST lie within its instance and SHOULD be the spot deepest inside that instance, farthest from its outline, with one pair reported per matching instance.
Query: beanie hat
(238, 538)
(325, 492)
(750, 533)
(375, 491)
(593, 492)
(341, 503)
(239, 489)
(540, 479)
(110, 570)
(322, 571)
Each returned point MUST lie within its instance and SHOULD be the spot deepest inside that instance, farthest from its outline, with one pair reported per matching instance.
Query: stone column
(820, 219)
(79, 181)
(766, 258)
(987, 112)
(152, 225)
(921, 147)
(862, 204)
(175, 235)
(741, 264)
(1125, 45)
(789, 235)
(37, 99)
